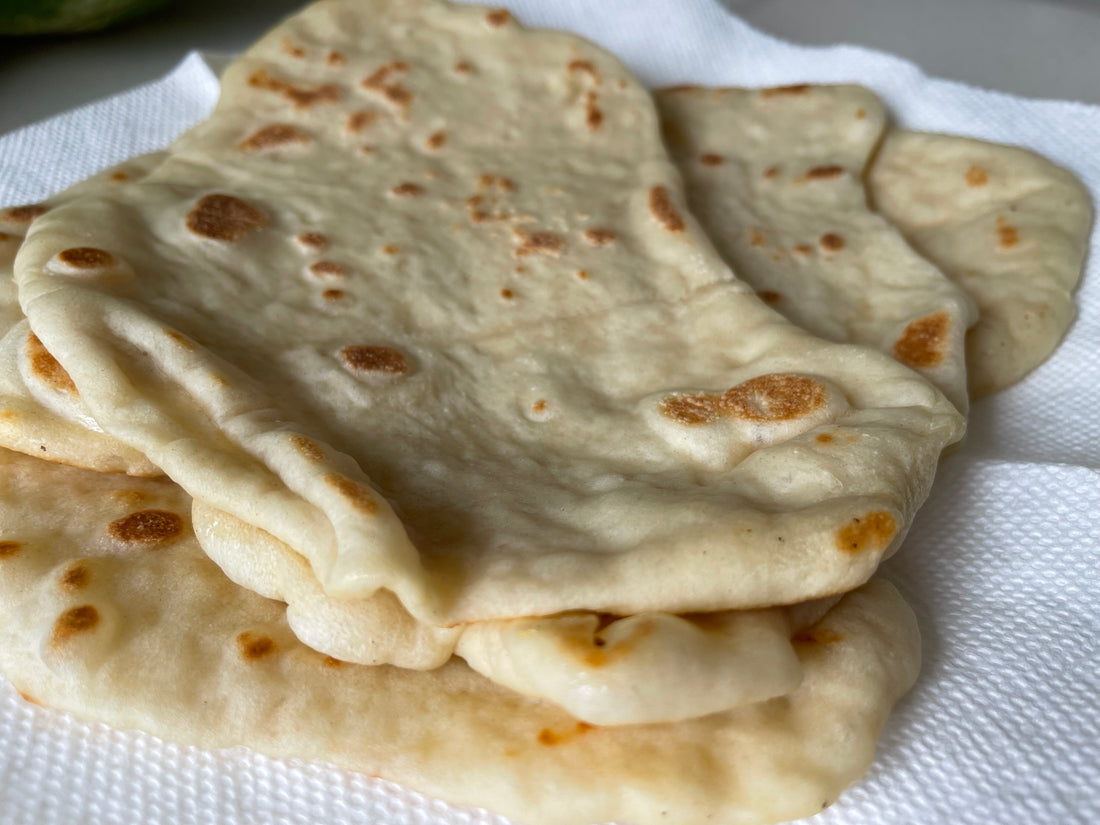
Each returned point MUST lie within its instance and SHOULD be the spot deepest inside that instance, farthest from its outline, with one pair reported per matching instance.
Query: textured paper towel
(1002, 566)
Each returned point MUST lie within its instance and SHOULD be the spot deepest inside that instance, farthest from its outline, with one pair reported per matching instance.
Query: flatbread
(1010, 227)
(647, 437)
(110, 611)
(776, 178)
(51, 422)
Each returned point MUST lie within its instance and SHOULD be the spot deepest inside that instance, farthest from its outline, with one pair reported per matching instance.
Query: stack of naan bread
(409, 414)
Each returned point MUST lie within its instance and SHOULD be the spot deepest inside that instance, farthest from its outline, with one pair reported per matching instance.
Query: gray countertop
(1038, 48)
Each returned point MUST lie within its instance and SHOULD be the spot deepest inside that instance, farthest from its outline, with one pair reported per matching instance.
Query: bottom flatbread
(110, 611)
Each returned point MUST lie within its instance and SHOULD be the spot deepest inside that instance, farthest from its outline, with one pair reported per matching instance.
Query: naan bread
(1010, 227)
(421, 301)
(110, 611)
(43, 416)
(776, 178)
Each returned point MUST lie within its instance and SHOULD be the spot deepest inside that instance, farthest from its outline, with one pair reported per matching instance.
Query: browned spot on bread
(75, 577)
(359, 496)
(360, 120)
(46, 368)
(270, 137)
(802, 249)
(86, 257)
(24, 214)
(331, 661)
(224, 218)
(74, 620)
(436, 140)
(312, 240)
(119, 175)
(769, 296)
(333, 294)
(9, 549)
(381, 82)
(407, 189)
(976, 176)
(781, 91)
(873, 531)
(550, 738)
(180, 340)
(486, 181)
(539, 406)
(335, 58)
(463, 67)
(307, 448)
(253, 647)
(599, 236)
(498, 17)
(773, 397)
(596, 653)
(711, 159)
(831, 242)
(660, 206)
(771, 172)
(756, 237)
(301, 96)
(582, 274)
(585, 66)
(924, 340)
(593, 115)
(824, 172)
(1007, 236)
(327, 269)
(391, 249)
(146, 527)
(683, 88)
(860, 114)
(26, 697)
(374, 359)
(824, 438)
(542, 243)
(816, 636)
(507, 294)
(292, 49)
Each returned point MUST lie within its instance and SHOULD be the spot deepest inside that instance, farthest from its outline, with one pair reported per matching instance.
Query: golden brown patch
(711, 159)
(327, 269)
(331, 662)
(374, 359)
(660, 206)
(312, 240)
(873, 531)
(599, 237)
(550, 738)
(146, 527)
(596, 653)
(86, 257)
(255, 647)
(293, 50)
(463, 67)
(582, 274)
(782, 91)
(486, 181)
(302, 97)
(180, 340)
(541, 243)
(773, 397)
(593, 114)
(507, 294)
(270, 137)
(359, 496)
(769, 296)
(333, 294)
(976, 176)
(771, 172)
(224, 218)
(922, 344)
(824, 172)
(391, 249)
(407, 189)
(358, 121)
(824, 438)
(120, 175)
(816, 636)
(380, 82)
(335, 58)
(1007, 236)
(74, 620)
(498, 17)
(585, 66)
(307, 448)
(756, 237)
(75, 577)
(24, 214)
(46, 368)
(26, 697)
(539, 406)
(436, 140)
(802, 249)
(9, 549)
(860, 114)
(831, 242)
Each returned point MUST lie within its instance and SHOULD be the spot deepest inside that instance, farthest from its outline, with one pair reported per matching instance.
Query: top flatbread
(1008, 225)
(776, 178)
(421, 301)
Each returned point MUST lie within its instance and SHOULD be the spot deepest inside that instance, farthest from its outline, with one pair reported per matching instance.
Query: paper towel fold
(1002, 565)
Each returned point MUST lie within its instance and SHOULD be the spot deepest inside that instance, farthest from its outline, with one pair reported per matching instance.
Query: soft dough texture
(1008, 225)
(110, 611)
(421, 302)
(776, 178)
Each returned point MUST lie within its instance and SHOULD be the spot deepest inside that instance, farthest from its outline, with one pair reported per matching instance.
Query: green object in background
(65, 16)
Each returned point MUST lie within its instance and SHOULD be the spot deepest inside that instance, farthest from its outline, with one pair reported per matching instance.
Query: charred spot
(273, 136)
(224, 218)
(976, 176)
(9, 548)
(355, 493)
(363, 359)
(407, 189)
(24, 214)
(923, 343)
(253, 647)
(73, 621)
(303, 97)
(312, 240)
(711, 159)
(831, 242)
(46, 368)
(498, 17)
(75, 577)
(327, 269)
(660, 206)
(146, 527)
(872, 532)
(86, 257)
(599, 237)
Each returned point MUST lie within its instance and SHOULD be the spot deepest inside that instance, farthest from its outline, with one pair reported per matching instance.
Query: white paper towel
(1002, 566)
